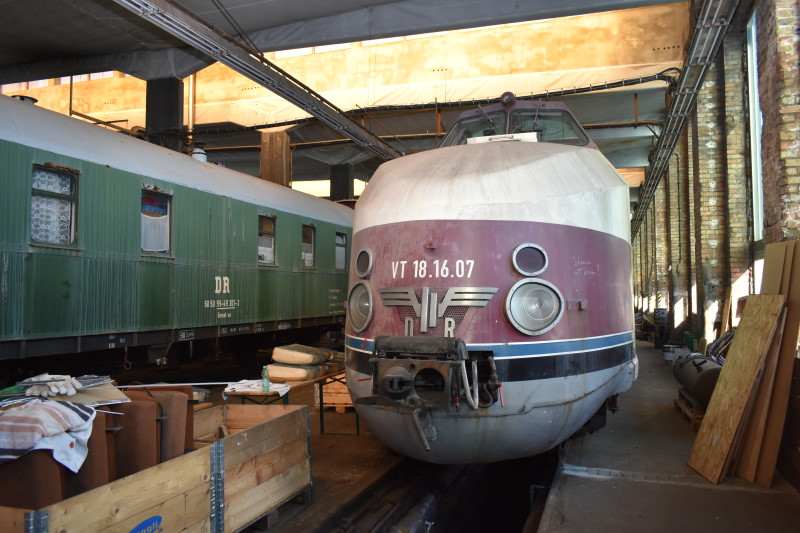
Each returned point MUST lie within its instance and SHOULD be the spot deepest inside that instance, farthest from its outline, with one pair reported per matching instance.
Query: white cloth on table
(254, 385)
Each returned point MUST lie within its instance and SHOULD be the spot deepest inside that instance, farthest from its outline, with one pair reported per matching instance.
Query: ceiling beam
(223, 48)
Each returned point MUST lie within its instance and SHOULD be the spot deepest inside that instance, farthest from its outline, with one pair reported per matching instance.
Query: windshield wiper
(485, 115)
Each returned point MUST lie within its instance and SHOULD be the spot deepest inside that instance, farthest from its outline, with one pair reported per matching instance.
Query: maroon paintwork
(590, 268)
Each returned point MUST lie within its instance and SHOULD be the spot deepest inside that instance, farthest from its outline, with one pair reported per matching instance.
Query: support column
(164, 120)
(679, 227)
(711, 240)
(661, 268)
(661, 288)
(342, 182)
(650, 259)
(636, 272)
(691, 175)
(779, 90)
(737, 175)
(275, 159)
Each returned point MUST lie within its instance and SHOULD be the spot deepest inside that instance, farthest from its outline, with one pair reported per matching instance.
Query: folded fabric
(57, 425)
(297, 354)
(254, 385)
(302, 372)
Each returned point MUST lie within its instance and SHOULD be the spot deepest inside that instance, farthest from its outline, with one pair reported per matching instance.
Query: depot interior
(694, 103)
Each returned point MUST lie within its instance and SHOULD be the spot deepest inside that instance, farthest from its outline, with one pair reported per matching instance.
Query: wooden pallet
(337, 396)
(691, 408)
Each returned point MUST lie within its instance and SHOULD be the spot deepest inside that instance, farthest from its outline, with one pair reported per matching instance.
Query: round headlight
(534, 306)
(529, 259)
(364, 263)
(359, 306)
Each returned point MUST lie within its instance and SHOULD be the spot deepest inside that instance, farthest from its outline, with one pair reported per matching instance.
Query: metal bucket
(669, 353)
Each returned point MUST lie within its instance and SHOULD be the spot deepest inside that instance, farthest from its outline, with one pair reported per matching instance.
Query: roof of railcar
(40, 128)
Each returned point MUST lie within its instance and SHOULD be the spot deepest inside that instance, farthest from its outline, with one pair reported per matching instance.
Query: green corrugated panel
(77, 295)
(52, 303)
(155, 294)
(15, 169)
(274, 291)
(109, 213)
(204, 238)
(243, 233)
(193, 286)
(108, 291)
(12, 289)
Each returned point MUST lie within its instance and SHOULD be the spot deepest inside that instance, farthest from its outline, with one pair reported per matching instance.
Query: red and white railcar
(490, 312)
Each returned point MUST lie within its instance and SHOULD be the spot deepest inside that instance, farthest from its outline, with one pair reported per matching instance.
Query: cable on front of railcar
(420, 375)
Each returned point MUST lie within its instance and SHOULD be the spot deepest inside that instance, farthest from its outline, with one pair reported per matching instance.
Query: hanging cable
(472, 396)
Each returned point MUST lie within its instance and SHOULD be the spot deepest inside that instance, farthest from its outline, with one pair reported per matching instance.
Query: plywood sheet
(774, 266)
(789, 286)
(726, 313)
(747, 459)
(731, 397)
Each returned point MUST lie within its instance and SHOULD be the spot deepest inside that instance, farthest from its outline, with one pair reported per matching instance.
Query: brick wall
(778, 26)
(779, 87)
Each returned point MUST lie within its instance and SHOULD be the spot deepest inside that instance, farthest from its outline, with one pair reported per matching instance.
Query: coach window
(266, 240)
(341, 251)
(307, 247)
(156, 215)
(54, 201)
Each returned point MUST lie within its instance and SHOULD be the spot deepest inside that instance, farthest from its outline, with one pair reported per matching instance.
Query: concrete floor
(632, 475)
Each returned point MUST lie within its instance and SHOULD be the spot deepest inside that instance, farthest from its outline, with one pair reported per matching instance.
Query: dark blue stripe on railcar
(521, 368)
(562, 365)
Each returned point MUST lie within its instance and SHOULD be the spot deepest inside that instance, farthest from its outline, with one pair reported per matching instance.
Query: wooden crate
(266, 461)
(266, 456)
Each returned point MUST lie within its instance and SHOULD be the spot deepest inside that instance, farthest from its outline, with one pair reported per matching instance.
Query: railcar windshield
(479, 125)
(552, 125)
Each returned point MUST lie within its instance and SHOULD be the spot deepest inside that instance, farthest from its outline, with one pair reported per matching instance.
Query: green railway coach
(108, 242)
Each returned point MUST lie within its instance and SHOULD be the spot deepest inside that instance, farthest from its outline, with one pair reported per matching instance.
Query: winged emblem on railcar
(428, 308)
